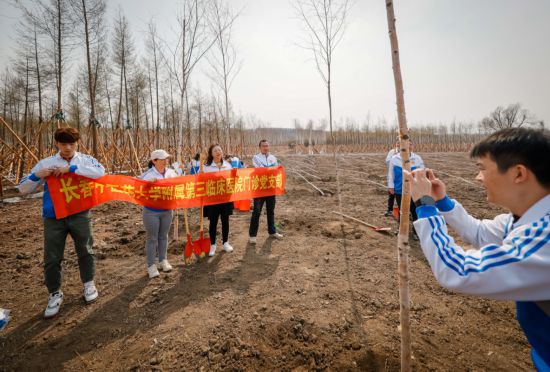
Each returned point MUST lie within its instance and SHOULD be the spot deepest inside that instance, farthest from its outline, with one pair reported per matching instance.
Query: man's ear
(521, 173)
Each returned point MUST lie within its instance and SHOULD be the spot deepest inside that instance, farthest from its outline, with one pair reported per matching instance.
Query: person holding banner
(263, 160)
(157, 221)
(216, 163)
(78, 225)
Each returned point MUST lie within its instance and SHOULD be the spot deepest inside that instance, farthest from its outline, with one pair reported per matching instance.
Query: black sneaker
(388, 214)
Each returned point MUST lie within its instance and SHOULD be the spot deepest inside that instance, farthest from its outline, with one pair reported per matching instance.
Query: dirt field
(313, 301)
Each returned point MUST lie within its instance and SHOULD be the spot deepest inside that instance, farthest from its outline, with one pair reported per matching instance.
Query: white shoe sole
(49, 316)
(89, 301)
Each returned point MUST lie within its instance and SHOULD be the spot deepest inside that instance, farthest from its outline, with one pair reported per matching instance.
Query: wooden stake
(403, 237)
(134, 151)
(19, 140)
(376, 228)
(312, 185)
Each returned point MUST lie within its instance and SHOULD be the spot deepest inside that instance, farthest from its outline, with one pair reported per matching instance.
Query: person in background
(511, 259)
(195, 164)
(178, 168)
(157, 221)
(395, 178)
(236, 163)
(78, 225)
(391, 196)
(263, 160)
(216, 163)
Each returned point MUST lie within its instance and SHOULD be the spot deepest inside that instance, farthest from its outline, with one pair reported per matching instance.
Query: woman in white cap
(215, 163)
(157, 221)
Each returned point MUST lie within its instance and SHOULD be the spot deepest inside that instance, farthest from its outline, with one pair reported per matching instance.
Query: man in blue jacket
(264, 159)
(395, 178)
(78, 225)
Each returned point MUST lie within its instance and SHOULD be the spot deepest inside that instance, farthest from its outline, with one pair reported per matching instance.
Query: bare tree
(155, 49)
(509, 117)
(223, 59)
(91, 15)
(74, 109)
(29, 45)
(403, 236)
(325, 22)
(123, 50)
(193, 43)
(51, 18)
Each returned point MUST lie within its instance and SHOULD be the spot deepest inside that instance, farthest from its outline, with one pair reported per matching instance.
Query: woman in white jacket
(157, 221)
(215, 163)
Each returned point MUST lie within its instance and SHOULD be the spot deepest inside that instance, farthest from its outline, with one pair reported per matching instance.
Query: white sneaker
(90, 292)
(252, 240)
(276, 236)
(212, 250)
(165, 265)
(54, 303)
(153, 271)
(227, 247)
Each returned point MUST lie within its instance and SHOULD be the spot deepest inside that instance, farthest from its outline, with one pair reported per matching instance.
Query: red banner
(73, 193)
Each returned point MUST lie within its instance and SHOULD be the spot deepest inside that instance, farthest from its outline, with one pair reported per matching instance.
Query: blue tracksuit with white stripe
(511, 262)
(81, 164)
(395, 170)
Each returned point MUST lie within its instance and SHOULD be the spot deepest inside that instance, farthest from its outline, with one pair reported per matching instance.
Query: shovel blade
(242, 205)
(204, 244)
(189, 248)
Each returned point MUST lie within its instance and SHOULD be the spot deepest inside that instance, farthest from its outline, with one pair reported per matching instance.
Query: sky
(459, 59)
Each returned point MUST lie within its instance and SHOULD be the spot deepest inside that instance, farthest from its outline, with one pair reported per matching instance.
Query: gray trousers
(157, 225)
(79, 226)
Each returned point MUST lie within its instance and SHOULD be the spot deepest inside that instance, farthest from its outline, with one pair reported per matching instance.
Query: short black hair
(66, 135)
(513, 146)
(262, 141)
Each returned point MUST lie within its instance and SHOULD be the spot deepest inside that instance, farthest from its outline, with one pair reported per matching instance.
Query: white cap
(159, 154)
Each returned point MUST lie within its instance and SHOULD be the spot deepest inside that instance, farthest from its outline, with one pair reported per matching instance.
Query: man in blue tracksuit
(395, 176)
(264, 159)
(512, 256)
(78, 225)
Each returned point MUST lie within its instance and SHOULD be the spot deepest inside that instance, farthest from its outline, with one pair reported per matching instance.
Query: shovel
(189, 248)
(242, 205)
(201, 245)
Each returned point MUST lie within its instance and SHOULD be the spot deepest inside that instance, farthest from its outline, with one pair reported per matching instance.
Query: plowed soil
(323, 298)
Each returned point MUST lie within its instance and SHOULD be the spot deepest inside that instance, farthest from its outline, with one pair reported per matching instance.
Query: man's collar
(58, 155)
(536, 212)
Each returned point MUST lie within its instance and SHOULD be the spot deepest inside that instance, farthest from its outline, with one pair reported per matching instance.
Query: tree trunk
(59, 69)
(91, 90)
(403, 237)
(39, 87)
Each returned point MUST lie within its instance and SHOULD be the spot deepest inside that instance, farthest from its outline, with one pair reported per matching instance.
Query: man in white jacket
(78, 225)
(512, 256)
(263, 160)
